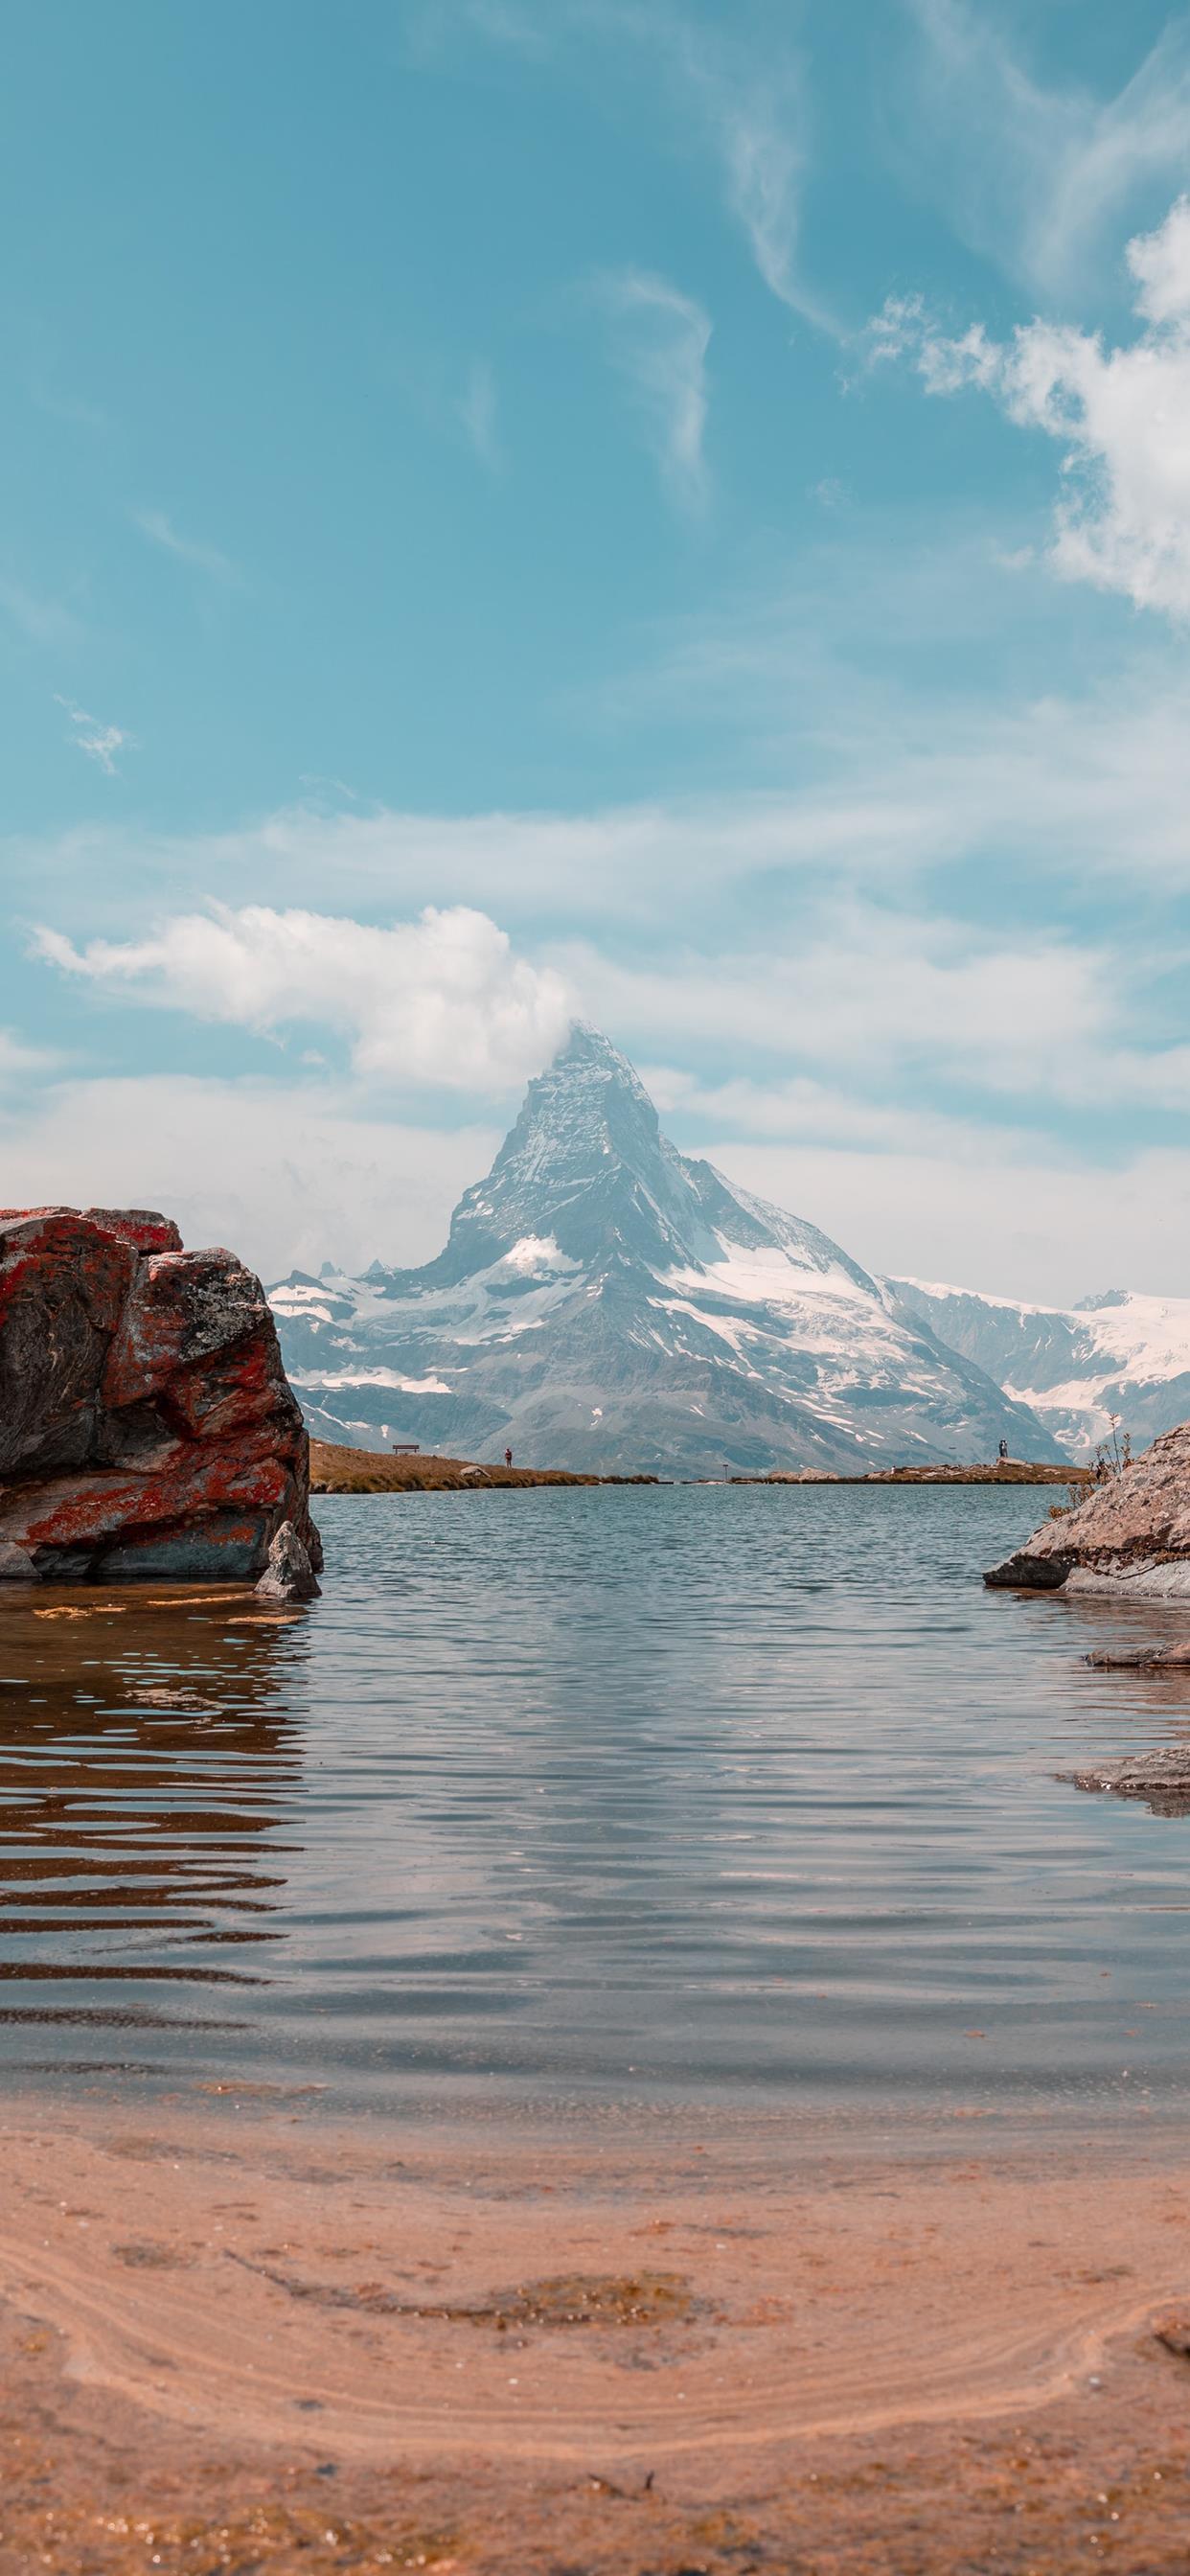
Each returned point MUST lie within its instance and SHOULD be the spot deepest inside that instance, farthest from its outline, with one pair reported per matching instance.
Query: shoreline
(715, 2343)
(343, 1470)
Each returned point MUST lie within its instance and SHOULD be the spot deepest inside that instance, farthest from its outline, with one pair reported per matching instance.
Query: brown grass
(335, 1470)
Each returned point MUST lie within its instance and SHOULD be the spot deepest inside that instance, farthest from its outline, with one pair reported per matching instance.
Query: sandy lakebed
(236, 2336)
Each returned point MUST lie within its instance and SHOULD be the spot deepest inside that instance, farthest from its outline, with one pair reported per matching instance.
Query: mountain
(1075, 1366)
(606, 1303)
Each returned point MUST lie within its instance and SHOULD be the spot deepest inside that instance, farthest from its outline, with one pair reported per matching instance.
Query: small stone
(1161, 1778)
(289, 1575)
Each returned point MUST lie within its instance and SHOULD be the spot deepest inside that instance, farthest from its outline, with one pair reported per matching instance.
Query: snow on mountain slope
(605, 1302)
(1121, 1354)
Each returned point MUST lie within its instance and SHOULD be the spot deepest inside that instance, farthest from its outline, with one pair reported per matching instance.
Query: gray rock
(16, 1565)
(1138, 1659)
(1162, 1778)
(289, 1575)
(1129, 1540)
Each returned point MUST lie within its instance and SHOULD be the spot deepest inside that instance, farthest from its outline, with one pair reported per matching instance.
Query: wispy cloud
(1121, 416)
(159, 528)
(477, 409)
(1034, 174)
(659, 339)
(98, 741)
(39, 620)
(736, 95)
(17, 1060)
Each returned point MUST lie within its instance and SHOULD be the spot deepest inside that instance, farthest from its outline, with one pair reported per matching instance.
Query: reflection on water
(616, 1792)
(148, 1754)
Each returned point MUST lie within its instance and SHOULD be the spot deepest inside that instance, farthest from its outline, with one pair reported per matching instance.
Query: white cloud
(741, 100)
(17, 1060)
(40, 621)
(659, 340)
(288, 1175)
(442, 1000)
(477, 411)
(752, 107)
(160, 530)
(871, 991)
(1043, 1226)
(99, 742)
(896, 783)
(1035, 175)
(1121, 416)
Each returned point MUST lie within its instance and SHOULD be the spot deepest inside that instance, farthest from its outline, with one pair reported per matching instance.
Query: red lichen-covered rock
(146, 1422)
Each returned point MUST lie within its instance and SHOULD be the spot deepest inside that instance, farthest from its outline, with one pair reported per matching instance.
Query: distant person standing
(1002, 1453)
(508, 1457)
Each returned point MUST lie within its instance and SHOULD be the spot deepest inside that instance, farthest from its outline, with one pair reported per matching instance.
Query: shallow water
(573, 1793)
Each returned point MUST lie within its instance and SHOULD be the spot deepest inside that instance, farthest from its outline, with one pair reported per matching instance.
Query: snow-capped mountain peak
(1120, 1358)
(606, 1301)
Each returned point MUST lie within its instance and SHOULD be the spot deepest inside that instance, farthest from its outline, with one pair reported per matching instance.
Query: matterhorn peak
(606, 1301)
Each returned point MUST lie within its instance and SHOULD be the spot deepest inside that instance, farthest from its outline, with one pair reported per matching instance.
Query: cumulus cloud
(441, 1000)
(659, 340)
(1121, 416)
(97, 741)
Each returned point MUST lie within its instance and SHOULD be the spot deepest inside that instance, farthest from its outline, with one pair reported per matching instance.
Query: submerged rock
(146, 1423)
(1139, 1659)
(1129, 1540)
(289, 1575)
(1162, 1779)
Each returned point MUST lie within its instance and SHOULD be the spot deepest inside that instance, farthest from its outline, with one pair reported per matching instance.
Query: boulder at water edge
(289, 1575)
(1130, 1539)
(147, 1426)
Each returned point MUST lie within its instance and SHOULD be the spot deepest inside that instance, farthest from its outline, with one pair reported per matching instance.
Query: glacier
(1122, 1357)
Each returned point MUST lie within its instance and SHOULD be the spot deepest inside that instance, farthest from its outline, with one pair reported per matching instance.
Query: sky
(670, 511)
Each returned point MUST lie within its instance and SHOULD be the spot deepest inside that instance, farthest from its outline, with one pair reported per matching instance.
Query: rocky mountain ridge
(607, 1303)
(1122, 1354)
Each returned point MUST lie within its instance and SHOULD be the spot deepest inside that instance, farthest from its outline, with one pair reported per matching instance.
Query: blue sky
(672, 509)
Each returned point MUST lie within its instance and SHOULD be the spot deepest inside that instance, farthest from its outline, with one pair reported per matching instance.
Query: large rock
(1129, 1540)
(147, 1426)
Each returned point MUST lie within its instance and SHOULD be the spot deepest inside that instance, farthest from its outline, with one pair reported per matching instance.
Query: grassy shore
(335, 1470)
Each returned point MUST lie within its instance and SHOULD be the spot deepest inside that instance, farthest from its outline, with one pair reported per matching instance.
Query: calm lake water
(702, 1791)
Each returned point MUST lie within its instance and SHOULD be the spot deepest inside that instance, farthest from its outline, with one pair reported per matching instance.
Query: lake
(577, 1794)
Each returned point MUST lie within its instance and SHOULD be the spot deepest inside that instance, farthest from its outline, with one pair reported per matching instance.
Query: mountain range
(1122, 1356)
(605, 1302)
